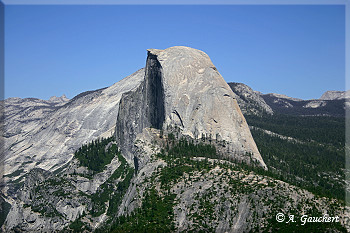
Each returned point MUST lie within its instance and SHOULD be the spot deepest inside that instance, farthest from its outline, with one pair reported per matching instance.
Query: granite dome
(183, 88)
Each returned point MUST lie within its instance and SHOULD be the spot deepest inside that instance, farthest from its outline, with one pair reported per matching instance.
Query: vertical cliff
(154, 92)
(183, 89)
(141, 108)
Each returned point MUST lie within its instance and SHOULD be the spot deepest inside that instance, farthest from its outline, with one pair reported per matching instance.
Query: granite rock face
(249, 101)
(62, 99)
(335, 95)
(183, 89)
(45, 134)
(281, 96)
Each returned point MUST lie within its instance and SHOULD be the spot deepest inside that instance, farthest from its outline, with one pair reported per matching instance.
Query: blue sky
(296, 50)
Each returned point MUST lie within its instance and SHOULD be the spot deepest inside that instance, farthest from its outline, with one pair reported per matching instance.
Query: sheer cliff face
(141, 108)
(183, 88)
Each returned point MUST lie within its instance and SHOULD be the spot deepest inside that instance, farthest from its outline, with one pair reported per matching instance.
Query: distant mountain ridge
(281, 96)
(335, 95)
(61, 99)
(249, 101)
(332, 103)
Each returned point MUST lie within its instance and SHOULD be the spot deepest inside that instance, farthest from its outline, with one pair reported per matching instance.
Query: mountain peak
(249, 101)
(183, 89)
(182, 58)
(334, 95)
(281, 96)
(61, 99)
(178, 49)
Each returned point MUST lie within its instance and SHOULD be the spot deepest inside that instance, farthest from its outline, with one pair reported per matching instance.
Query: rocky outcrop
(61, 99)
(281, 96)
(183, 89)
(249, 101)
(335, 95)
(315, 104)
